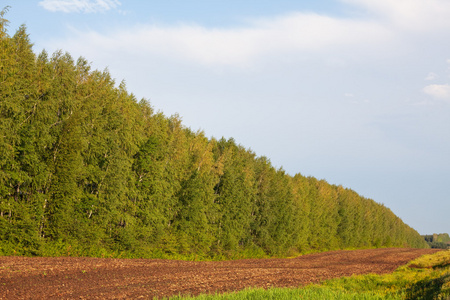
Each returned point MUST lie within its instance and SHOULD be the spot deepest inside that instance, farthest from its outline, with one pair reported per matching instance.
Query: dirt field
(94, 278)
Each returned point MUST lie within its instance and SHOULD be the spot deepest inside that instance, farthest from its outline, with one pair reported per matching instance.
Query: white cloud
(295, 34)
(76, 6)
(416, 15)
(289, 34)
(440, 91)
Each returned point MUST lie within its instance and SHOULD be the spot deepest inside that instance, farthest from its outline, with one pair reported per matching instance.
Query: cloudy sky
(356, 92)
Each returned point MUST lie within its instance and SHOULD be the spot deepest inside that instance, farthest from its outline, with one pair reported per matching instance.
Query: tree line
(86, 169)
(441, 240)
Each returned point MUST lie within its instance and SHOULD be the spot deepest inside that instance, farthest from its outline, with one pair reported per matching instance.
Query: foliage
(440, 241)
(86, 169)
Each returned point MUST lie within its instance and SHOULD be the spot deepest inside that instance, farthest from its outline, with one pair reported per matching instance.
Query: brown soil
(97, 278)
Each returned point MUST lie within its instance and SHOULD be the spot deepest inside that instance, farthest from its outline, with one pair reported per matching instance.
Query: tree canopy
(86, 169)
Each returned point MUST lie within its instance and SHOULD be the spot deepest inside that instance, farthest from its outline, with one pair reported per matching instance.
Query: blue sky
(356, 92)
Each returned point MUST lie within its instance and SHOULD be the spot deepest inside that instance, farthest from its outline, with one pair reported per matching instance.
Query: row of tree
(441, 240)
(84, 166)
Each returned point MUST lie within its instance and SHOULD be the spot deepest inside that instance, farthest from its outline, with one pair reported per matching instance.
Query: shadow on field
(430, 289)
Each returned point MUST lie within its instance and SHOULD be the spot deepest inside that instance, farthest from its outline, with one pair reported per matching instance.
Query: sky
(356, 92)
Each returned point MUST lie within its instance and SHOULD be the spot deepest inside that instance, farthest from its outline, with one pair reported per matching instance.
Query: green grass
(310, 292)
(426, 278)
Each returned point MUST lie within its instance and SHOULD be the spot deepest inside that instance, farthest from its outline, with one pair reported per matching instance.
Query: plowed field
(96, 278)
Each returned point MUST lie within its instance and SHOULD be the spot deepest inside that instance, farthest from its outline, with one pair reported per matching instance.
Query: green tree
(84, 164)
(236, 195)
